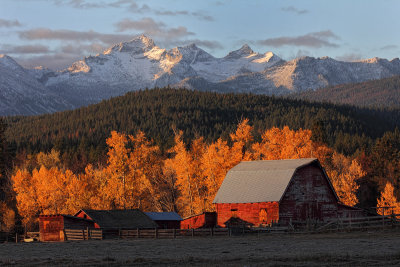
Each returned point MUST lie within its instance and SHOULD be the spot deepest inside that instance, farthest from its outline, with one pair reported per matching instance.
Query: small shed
(117, 219)
(258, 193)
(51, 227)
(166, 220)
(203, 220)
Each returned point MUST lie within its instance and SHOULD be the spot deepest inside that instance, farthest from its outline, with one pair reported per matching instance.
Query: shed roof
(125, 219)
(259, 181)
(164, 216)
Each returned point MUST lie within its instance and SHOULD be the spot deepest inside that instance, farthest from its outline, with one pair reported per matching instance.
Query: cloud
(314, 40)
(9, 23)
(69, 35)
(349, 57)
(197, 14)
(25, 49)
(82, 48)
(294, 10)
(202, 43)
(82, 4)
(53, 61)
(150, 27)
(389, 47)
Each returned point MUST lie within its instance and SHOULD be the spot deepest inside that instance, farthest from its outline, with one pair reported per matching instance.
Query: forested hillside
(375, 93)
(80, 134)
(174, 147)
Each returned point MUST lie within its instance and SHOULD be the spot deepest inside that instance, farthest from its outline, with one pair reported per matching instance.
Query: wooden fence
(361, 223)
(348, 224)
(84, 234)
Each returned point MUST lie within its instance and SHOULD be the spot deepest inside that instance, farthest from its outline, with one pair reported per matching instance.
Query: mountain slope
(22, 93)
(377, 93)
(80, 134)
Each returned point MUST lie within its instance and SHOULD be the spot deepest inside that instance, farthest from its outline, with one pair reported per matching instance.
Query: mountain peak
(139, 44)
(244, 51)
(8, 61)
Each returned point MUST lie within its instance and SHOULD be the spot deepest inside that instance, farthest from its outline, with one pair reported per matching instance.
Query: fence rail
(82, 234)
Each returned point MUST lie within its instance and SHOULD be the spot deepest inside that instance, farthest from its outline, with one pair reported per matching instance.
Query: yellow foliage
(388, 200)
(344, 174)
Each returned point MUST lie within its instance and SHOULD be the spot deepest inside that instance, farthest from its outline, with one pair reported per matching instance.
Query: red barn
(204, 220)
(51, 226)
(257, 193)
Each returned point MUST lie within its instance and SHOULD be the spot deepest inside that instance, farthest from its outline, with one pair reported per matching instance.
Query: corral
(350, 249)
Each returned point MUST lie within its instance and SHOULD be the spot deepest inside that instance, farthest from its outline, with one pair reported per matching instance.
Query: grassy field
(338, 249)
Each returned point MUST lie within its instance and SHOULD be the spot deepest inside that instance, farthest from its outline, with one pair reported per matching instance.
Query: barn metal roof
(258, 181)
(164, 216)
(124, 219)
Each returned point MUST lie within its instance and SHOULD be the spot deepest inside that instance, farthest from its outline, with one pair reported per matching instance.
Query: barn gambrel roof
(261, 181)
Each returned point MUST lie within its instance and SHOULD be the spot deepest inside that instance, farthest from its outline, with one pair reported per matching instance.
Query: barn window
(263, 216)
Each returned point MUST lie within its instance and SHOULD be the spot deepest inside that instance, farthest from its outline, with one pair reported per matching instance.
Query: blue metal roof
(164, 216)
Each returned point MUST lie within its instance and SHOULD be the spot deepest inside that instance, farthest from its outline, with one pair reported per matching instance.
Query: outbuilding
(259, 193)
(166, 220)
(51, 227)
(203, 220)
(117, 219)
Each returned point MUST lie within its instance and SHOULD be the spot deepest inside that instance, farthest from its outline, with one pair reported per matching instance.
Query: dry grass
(339, 249)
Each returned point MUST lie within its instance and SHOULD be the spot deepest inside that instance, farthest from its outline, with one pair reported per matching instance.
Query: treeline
(375, 93)
(80, 135)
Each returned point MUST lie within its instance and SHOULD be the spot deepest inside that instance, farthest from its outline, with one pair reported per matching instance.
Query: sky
(55, 33)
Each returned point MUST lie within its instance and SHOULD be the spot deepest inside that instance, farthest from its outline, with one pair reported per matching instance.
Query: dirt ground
(337, 249)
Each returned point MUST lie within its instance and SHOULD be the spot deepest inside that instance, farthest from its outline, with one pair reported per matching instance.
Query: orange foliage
(388, 200)
(136, 175)
(344, 174)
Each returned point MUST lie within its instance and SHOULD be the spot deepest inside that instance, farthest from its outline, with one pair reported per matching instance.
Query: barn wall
(255, 214)
(50, 228)
(204, 220)
(308, 197)
(350, 212)
(82, 214)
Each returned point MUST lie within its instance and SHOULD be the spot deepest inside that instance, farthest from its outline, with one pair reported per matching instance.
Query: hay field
(337, 249)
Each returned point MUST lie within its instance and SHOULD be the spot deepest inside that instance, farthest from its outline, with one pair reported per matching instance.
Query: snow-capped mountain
(140, 64)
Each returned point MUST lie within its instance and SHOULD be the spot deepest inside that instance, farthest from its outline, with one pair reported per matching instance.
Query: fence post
(83, 234)
(212, 231)
(383, 219)
(16, 237)
(155, 233)
(88, 233)
(192, 232)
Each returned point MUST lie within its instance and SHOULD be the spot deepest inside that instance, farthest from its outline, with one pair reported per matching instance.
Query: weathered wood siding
(204, 220)
(255, 214)
(51, 226)
(309, 196)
